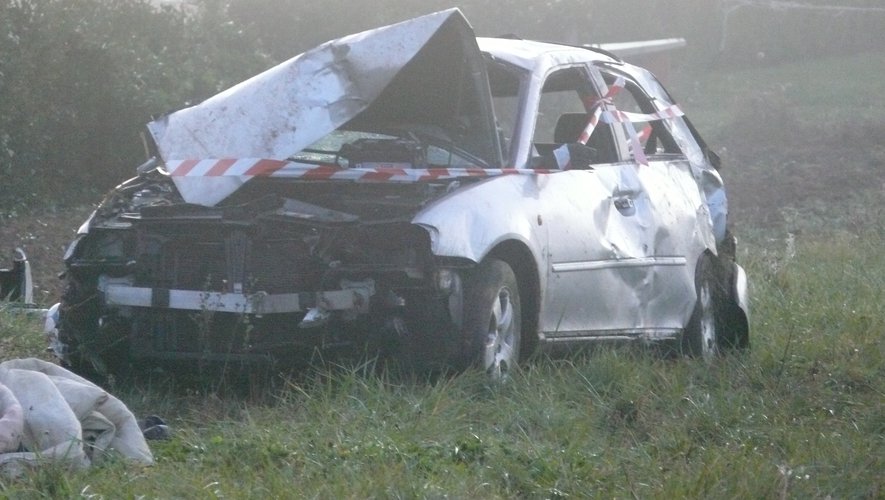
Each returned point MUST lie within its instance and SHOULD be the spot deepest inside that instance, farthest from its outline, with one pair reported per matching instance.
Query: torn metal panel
(276, 114)
(630, 49)
(16, 283)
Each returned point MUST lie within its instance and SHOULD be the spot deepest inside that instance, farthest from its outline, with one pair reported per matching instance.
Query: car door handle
(625, 205)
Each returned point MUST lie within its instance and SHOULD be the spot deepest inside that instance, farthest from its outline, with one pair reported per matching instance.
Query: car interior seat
(569, 127)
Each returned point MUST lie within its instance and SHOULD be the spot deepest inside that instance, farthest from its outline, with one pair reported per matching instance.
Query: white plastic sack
(56, 414)
(11, 421)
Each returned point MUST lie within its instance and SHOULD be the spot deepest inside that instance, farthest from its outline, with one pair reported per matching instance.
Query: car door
(669, 206)
(600, 234)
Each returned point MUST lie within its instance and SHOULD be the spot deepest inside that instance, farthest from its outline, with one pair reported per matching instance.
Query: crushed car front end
(264, 224)
(273, 270)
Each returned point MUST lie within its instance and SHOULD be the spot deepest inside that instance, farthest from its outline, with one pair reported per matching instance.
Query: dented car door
(601, 234)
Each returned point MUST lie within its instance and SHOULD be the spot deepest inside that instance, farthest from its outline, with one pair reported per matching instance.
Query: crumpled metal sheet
(16, 282)
(281, 111)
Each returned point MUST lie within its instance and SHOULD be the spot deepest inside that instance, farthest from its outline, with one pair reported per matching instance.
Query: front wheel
(94, 349)
(701, 337)
(492, 318)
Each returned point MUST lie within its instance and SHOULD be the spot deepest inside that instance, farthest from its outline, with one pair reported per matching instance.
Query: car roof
(535, 56)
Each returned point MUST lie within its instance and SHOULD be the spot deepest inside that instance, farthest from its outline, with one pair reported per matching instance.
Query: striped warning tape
(259, 167)
(593, 105)
(596, 113)
(396, 172)
(618, 116)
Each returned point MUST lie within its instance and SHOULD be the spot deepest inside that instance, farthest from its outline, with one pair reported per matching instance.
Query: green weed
(800, 415)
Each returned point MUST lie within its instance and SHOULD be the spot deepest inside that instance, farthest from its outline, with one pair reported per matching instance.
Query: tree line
(79, 79)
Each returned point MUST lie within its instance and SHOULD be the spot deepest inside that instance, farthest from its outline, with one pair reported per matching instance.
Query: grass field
(801, 415)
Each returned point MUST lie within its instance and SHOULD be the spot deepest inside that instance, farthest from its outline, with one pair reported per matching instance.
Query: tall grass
(801, 415)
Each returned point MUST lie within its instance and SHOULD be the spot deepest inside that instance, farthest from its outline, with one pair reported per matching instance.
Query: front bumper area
(353, 296)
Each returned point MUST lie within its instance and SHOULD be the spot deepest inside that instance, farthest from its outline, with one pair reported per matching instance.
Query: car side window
(636, 112)
(563, 114)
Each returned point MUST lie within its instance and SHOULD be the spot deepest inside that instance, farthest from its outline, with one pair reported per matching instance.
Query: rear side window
(641, 119)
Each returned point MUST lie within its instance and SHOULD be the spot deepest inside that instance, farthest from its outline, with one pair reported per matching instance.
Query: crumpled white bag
(58, 415)
(12, 421)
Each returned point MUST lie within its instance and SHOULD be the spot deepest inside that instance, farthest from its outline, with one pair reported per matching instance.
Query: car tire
(425, 339)
(734, 336)
(701, 337)
(492, 323)
(77, 313)
(93, 351)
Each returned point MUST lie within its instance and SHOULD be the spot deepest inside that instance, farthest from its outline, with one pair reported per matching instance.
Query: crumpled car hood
(425, 68)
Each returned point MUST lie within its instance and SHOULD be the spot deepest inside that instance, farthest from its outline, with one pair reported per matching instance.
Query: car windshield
(404, 146)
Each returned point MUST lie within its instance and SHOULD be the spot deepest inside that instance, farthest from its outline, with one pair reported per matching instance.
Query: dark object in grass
(15, 282)
(154, 428)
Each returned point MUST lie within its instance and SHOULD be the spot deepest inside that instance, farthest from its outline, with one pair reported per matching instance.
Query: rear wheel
(735, 332)
(492, 318)
(701, 338)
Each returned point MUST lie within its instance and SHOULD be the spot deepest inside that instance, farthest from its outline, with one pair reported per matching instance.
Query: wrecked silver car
(445, 198)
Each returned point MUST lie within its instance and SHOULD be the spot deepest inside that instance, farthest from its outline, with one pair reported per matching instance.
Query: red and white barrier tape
(645, 133)
(597, 113)
(618, 116)
(257, 167)
(593, 105)
(628, 118)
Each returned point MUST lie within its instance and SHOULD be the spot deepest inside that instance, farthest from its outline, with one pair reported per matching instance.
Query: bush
(79, 79)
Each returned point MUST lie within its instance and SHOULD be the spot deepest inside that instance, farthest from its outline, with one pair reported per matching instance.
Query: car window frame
(524, 77)
(689, 141)
(531, 104)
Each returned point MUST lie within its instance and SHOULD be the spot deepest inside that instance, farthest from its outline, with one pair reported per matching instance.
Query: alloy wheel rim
(500, 347)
